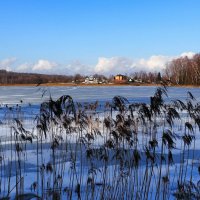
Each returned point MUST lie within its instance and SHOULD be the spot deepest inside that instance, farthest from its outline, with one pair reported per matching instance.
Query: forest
(184, 71)
(30, 78)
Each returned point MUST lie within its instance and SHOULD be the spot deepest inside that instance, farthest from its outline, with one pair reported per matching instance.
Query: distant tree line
(29, 78)
(184, 71)
(146, 77)
(7, 77)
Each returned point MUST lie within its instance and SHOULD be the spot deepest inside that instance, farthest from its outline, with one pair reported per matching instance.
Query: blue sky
(96, 35)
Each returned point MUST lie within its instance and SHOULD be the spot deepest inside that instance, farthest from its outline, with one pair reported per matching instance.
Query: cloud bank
(7, 63)
(104, 65)
(42, 65)
(126, 65)
(113, 64)
(77, 67)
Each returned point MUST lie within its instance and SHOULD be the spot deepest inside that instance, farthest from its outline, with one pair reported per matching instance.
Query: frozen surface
(36, 95)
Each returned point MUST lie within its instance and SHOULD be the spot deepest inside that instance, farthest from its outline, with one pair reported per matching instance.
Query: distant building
(119, 78)
(138, 81)
(130, 80)
(90, 79)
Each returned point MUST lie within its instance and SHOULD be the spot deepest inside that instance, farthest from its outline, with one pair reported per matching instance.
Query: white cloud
(123, 65)
(24, 67)
(104, 65)
(7, 63)
(43, 65)
(113, 64)
(154, 63)
(188, 54)
(77, 66)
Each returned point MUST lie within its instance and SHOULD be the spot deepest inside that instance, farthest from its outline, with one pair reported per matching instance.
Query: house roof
(119, 75)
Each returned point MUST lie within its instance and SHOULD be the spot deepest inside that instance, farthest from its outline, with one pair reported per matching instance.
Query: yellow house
(120, 78)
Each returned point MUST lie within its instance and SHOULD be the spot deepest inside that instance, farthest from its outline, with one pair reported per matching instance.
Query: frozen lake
(36, 95)
(30, 98)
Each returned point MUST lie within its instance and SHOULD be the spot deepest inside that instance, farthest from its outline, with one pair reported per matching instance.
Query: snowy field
(94, 146)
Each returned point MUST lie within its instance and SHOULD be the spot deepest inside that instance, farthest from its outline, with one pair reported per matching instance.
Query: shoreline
(91, 84)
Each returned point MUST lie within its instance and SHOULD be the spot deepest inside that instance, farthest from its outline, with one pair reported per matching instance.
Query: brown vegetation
(29, 78)
(184, 71)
